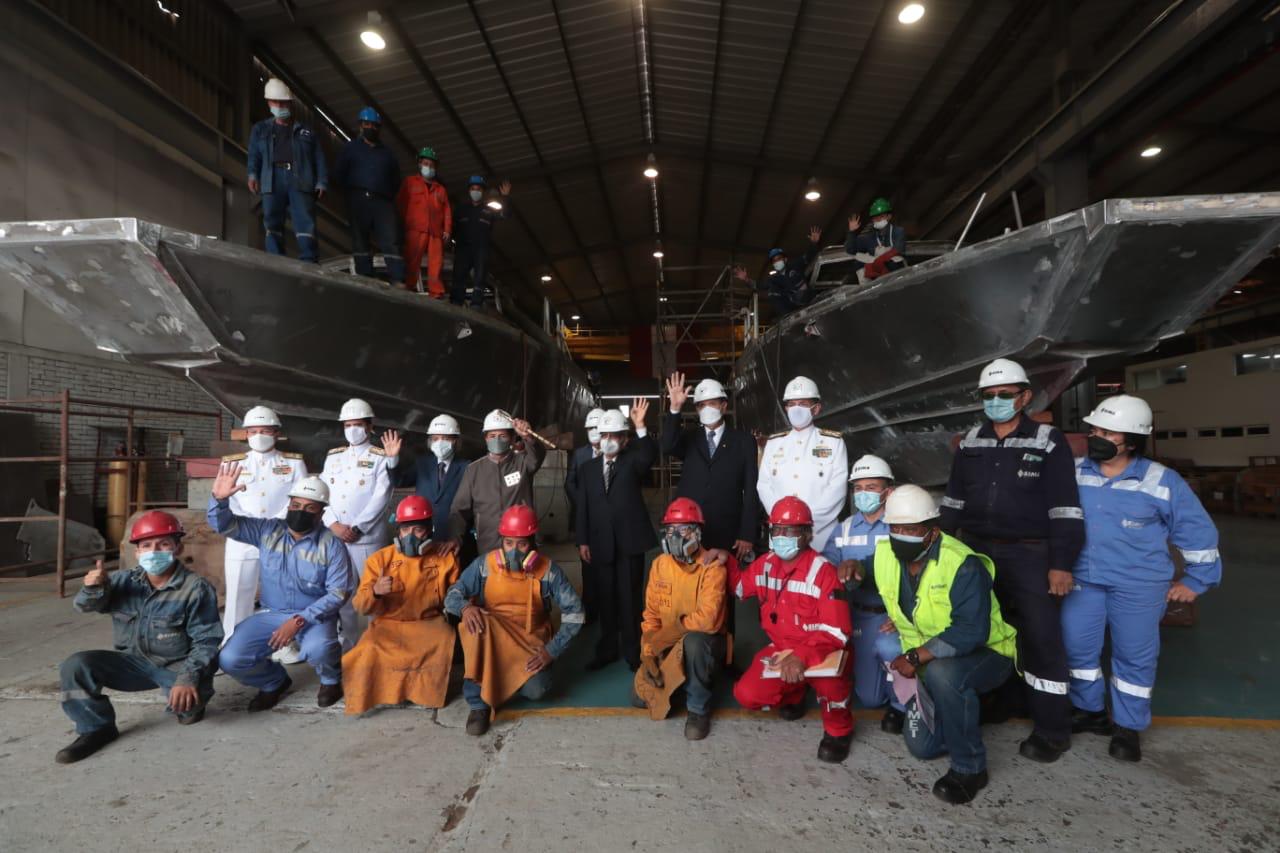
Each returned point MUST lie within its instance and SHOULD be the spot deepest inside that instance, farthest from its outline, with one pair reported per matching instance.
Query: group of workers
(408, 219)
(946, 616)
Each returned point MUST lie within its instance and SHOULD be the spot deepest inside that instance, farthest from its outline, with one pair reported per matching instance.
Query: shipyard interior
(690, 425)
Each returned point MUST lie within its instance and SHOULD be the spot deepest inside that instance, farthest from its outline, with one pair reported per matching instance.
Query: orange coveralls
(428, 218)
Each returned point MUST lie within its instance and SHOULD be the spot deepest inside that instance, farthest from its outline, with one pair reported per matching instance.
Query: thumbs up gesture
(97, 577)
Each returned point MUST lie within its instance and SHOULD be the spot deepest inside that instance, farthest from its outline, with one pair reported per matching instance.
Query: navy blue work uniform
(1015, 500)
(473, 236)
(288, 162)
(371, 176)
(789, 289)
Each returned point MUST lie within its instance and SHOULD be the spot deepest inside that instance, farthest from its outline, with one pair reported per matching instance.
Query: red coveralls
(799, 612)
(424, 208)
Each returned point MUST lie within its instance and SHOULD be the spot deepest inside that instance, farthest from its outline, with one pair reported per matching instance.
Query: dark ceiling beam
(768, 120)
(709, 143)
(533, 143)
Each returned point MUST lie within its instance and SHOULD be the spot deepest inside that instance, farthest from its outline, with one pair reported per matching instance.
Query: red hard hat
(683, 511)
(518, 521)
(413, 508)
(155, 523)
(791, 510)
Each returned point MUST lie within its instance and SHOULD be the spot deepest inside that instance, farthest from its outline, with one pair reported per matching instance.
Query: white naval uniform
(267, 478)
(360, 487)
(811, 464)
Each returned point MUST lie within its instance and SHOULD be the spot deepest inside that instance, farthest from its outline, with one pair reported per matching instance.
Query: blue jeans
(85, 674)
(371, 214)
(703, 657)
(465, 259)
(247, 656)
(955, 685)
(888, 647)
(869, 682)
(300, 206)
(534, 689)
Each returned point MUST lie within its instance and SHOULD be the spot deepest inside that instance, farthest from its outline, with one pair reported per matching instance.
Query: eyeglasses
(685, 530)
(1003, 395)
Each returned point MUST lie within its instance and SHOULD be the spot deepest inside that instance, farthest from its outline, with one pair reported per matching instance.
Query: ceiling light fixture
(657, 253)
(370, 36)
(546, 278)
(1151, 151)
(651, 167)
(494, 204)
(576, 317)
(811, 191)
(911, 13)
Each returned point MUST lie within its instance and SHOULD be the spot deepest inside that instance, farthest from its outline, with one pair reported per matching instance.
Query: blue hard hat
(369, 114)
(476, 179)
(773, 253)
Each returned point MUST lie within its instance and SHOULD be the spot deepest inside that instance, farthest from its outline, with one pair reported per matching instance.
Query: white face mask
(476, 195)
(610, 446)
(709, 415)
(261, 442)
(593, 436)
(356, 434)
(879, 224)
(427, 172)
(800, 416)
(779, 265)
(442, 449)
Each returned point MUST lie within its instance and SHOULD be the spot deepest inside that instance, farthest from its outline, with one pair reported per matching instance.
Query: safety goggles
(1003, 395)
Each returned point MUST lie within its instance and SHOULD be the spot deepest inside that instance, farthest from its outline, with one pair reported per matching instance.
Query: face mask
(411, 545)
(476, 195)
(156, 562)
(786, 547)
(610, 446)
(356, 434)
(1000, 411)
(879, 224)
(866, 502)
(261, 443)
(370, 133)
(442, 449)
(710, 415)
(300, 521)
(427, 172)
(281, 112)
(498, 446)
(593, 436)
(907, 548)
(518, 561)
(800, 416)
(682, 549)
(1101, 449)
(779, 265)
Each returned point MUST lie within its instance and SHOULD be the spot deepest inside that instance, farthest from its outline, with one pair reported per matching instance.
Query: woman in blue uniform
(1133, 509)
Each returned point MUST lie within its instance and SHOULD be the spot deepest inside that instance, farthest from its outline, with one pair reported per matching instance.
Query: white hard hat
(709, 389)
(870, 466)
(801, 388)
(277, 91)
(311, 489)
(593, 418)
(355, 409)
(613, 421)
(497, 420)
(1002, 371)
(261, 416)
(443, 425)
(1122, 414)
(909, 505)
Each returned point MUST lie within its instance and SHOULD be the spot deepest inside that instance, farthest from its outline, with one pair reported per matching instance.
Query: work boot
(697, 726)
(267, 699)
(478, 722)
(1126, 745)
(86, 745)
(791, 712)
(328, 694)
(892, 721)
(190, 718)
(1039, 748)
(833, 749)
(1091, 722)
(959, 788)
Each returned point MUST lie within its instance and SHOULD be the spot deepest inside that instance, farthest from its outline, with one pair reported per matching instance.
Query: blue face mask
(156, 562)
(866, 502)
(281, 112)
(786, 547)
(998, 410)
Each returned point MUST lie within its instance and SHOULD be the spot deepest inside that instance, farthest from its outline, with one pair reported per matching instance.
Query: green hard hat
(427, 153)
(881, 205)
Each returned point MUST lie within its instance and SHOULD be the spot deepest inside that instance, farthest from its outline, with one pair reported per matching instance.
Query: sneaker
(833, 749)
(1126, 745)
(265, 700)
(697, 726)
(1039, 748)
(86, 745)
(959, 788)
(478, 722)
(791, 712)
(892, 721)
(288, 656)
(1092, 722)
(328, 694)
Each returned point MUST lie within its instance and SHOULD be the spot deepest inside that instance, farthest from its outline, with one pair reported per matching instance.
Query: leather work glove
(651, 671)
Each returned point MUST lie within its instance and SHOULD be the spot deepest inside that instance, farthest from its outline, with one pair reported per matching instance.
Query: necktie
(711, 442)
(608, 474)
(442, 470)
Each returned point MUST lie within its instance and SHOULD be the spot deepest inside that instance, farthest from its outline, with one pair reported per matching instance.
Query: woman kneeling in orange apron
(407, 652)
(504, 603)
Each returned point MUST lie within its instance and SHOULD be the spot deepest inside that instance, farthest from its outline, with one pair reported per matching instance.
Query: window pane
(1178, 433)
(1162, 434)
(1173, 375)
(1232, 432)
(1263, 429)
(1207, 433)
(1257, 361)
(1145, 379)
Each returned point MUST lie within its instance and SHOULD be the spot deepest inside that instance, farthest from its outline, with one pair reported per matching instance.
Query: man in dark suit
(436, 474)
(581, 455)
(614, 531)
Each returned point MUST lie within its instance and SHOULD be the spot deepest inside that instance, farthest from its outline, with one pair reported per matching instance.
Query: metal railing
(67, 407)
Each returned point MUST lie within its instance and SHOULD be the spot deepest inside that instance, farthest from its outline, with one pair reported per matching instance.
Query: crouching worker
(504, 603)
(955, 645)
(407, 652)
(166, 634)
(807, 629)
(682, 639)
(305, 578)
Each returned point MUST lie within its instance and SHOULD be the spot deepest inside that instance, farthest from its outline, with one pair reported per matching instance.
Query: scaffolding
(67, 407)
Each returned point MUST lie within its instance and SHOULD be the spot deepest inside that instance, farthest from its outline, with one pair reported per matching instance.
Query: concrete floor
(300, 778)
